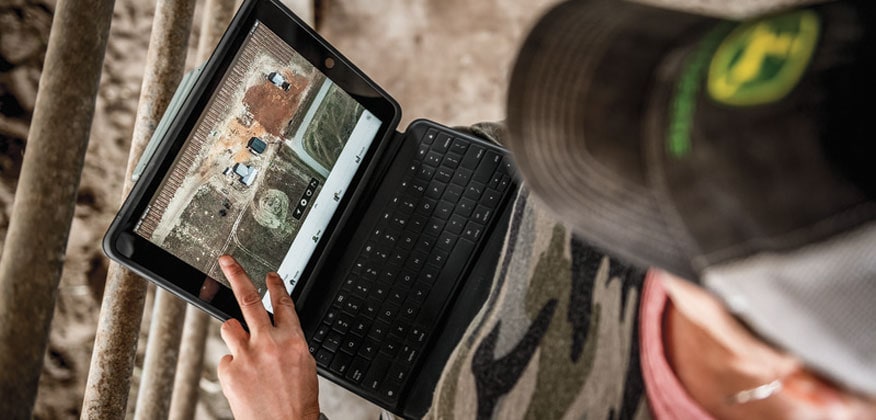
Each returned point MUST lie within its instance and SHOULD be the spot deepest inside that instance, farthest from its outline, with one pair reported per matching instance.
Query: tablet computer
(287, 157)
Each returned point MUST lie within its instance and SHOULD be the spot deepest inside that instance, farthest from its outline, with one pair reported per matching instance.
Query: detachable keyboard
(393, 296)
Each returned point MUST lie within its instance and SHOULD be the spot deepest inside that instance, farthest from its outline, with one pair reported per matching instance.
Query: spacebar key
(443, 286)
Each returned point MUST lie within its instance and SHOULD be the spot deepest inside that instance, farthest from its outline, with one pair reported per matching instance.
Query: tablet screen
(264, 168)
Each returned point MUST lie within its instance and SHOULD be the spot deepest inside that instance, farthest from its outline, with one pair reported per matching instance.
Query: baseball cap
(735, 154)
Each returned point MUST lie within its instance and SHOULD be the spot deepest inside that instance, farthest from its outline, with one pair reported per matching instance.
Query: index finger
(285, 316)
(248, 297)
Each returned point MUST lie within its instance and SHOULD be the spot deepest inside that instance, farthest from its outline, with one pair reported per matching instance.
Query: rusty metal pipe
(162, 351)
(33, 255)
(112, 362)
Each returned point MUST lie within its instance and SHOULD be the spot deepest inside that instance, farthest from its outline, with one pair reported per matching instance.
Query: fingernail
(226, 261)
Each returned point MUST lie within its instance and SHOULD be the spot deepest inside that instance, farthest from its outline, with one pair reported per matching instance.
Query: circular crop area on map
(272, 208)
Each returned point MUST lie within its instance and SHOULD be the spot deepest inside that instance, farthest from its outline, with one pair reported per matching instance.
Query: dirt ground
(446, 60)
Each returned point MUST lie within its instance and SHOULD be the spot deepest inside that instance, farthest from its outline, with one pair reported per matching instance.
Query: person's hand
(269, 374)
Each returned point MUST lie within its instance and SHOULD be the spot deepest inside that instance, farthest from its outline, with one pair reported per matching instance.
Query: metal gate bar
(112, 362)
(33, 254)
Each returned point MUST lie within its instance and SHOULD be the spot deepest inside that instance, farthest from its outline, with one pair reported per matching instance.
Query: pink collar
(667, 397)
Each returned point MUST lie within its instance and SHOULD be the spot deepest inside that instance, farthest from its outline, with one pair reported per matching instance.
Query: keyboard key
(429, 274)
(487, 167)
(376, 373)
(453, 193)
(409, 310)
(451, 160)
(416, 260)
(324, 357)
(417, 336)
(461, 176)
(341, 363)
(407, 205)
(417, 189)
(353, 305)
(443, 143)
(472, 157)
(396, 296)
(398, 373)
(455, 224)
(408, 354)
(459, 146)
(482, 214)
(506, 181)
(427, 207)
(426, 173)
(398, 222)
(360, 326)
(446, 241)
(437, 257)
(429, 138)
(387, 275)
(378, 292)
(321, 332)
(369, 310)
(388, 237)
(425, 245)
(444, 209)
(435, 189)
(389, 391)
(390, 346)
(331, 315)
(465, 207)
(407, 241)
(445, 174)
(342, 324)
(399, 331)
(435, 226)
(475, 190)
(396, 260)
(422, 152)
(473, 231)
(350, 344)
(387, 312)
(332, 341)
(495, 180)
(491, 198)
(341, 297)
(357, 369)
(368, 349)
(313, 347)
(360, 289)
(419, 292)
(407, 278)
(433, 159)
(417, 223)
(378, 330)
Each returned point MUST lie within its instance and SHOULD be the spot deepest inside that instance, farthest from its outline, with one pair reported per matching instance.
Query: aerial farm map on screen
(258, 162)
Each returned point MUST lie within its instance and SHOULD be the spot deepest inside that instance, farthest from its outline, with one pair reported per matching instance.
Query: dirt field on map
(235, 196)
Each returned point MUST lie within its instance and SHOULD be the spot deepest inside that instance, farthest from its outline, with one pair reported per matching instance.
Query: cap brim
(575, 105)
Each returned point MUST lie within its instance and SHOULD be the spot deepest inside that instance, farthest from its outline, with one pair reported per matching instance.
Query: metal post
(33, 255)
(217, 15)
(112, 362)
(191, 364)
(156, 383)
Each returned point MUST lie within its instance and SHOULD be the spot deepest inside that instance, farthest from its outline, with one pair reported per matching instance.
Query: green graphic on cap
(763, 60)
